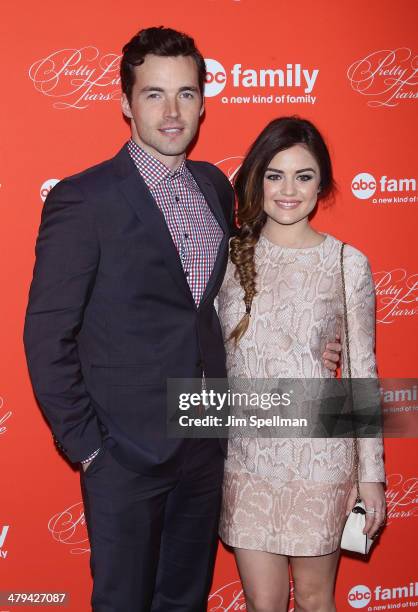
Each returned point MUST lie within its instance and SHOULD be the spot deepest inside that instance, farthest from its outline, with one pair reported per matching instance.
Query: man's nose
(171, 107)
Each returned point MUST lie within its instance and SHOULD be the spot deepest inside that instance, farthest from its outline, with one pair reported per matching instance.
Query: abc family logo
(3, 533)
(46, 187)
(364, 186)
(361, 595)
(289, 77)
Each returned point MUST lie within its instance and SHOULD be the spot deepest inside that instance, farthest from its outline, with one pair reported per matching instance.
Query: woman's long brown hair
(278, 135)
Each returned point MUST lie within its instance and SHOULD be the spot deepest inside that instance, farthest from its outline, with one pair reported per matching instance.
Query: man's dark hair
(160, 41)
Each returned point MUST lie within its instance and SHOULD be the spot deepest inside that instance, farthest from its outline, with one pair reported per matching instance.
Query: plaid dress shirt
(192, 225)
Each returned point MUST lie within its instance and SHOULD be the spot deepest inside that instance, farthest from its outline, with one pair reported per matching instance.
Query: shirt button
(187, 274)
(177, 199)
(186, 236)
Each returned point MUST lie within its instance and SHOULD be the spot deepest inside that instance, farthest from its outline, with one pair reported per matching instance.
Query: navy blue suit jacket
(111, 315)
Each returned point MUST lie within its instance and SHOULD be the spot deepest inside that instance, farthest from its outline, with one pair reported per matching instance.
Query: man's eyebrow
(297, 171)
(151, 88)
(155, 88)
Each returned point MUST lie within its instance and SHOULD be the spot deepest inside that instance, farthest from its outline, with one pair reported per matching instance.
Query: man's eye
(153, 95)
(187, 94)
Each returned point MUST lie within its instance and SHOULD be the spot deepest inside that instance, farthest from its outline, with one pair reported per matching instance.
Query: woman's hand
(373, 495)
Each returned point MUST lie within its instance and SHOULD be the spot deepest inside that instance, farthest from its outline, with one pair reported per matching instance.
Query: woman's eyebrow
(297, 171)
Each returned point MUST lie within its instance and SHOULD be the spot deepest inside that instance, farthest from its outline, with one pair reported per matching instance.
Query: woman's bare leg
(313, 582)
(265, 579)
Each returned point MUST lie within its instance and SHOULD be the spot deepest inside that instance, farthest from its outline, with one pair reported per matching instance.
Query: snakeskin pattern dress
(288, 496)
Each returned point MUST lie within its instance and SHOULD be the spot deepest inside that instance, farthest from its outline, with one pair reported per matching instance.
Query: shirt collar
(152, 170)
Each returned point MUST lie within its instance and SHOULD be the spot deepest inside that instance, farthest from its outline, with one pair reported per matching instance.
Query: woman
(286, 500)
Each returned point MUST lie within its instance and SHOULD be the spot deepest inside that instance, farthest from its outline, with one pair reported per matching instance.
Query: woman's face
(291, 185)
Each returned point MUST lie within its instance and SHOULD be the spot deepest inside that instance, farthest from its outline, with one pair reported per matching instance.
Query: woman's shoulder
(357, 272)
(353, 257)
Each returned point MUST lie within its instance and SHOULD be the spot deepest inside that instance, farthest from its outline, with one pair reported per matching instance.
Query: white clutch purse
(353, 538)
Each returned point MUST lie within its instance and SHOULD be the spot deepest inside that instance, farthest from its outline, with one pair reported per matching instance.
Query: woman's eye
(273, 177)
(305, 177)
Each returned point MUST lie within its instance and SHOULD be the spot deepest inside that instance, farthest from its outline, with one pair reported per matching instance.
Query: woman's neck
(295, 236)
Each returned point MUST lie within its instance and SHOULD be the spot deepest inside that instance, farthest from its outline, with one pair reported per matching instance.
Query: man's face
(165, 107)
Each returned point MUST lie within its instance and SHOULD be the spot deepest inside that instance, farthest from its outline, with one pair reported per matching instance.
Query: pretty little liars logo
(230, 598)
(69, 527)
(4, 416)
(401, 497)
(387, 77)
(396, 295)
(74, 78)
(230, 166)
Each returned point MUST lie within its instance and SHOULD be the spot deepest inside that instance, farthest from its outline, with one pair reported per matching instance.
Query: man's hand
(85, 466)
(331, 355)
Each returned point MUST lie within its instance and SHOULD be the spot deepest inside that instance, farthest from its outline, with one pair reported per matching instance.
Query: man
(130, 256)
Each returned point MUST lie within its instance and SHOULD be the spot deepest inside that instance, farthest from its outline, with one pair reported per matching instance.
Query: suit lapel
(137, 194)
(211, 196)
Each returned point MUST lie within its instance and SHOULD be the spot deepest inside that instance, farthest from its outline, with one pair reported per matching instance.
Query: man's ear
(126, 108)
(202, 108)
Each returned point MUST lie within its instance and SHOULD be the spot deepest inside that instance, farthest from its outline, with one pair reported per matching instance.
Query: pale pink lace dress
(288, 496)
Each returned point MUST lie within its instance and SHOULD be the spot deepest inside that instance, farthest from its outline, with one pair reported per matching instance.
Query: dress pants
(154, 538)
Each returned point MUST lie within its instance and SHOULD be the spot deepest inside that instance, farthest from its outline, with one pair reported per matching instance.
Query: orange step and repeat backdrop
(351, 67)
